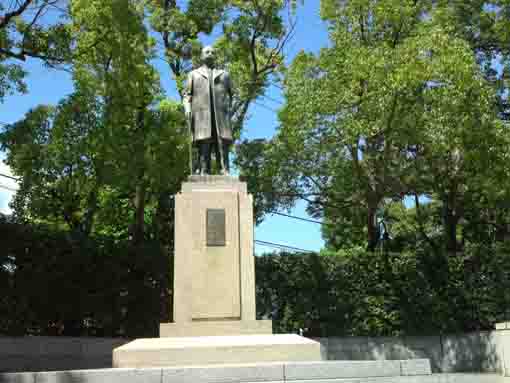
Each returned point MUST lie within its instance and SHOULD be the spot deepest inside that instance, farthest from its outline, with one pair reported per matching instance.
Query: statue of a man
(207, 102)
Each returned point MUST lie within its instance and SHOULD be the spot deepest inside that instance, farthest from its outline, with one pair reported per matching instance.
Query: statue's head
(208, 55)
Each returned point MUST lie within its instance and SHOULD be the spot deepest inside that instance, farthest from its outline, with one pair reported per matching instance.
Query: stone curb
(406, 371)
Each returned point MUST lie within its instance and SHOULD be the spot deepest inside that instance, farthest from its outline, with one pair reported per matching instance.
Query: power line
(275, 84)
(282, 247)
(279, 102)
(10, 177)
(311, 220)
(299, 218)
(265, 107)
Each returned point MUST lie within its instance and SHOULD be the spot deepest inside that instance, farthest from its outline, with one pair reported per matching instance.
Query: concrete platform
(408, 371)
(188, 351)
(216, 328)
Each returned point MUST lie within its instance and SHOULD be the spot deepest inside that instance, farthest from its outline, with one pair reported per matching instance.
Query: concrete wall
(503, 329)
(56, 353)
(487, 352)
(475, 352)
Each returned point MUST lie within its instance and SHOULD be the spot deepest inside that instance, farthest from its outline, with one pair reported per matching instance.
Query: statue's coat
(198, 97)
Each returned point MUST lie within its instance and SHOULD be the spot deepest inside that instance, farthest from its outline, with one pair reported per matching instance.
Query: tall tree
(370, 119)
(54, 151)
(118, 71)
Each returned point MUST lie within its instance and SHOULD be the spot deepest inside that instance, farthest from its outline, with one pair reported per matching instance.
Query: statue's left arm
(228, 88)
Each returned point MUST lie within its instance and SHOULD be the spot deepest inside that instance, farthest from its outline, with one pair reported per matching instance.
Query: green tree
(484, 24)
(53, 150)
(118, 71)
(31, 29)
(377, 115)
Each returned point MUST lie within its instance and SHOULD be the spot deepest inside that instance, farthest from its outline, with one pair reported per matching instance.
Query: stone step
(206, 350)
(405, 371)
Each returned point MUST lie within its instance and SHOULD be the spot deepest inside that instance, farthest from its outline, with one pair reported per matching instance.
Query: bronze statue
(207, 102)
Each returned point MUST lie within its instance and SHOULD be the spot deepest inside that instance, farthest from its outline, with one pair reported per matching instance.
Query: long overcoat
(200, 101)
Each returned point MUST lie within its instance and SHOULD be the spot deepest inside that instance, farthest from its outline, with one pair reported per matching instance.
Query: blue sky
(47, 86)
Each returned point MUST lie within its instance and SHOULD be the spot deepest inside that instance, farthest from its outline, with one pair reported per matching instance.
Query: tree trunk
(450, 222)
(88, 217)
(135, 323)
(451, 231)
(140, 189)
(373, 231)
(138, 232)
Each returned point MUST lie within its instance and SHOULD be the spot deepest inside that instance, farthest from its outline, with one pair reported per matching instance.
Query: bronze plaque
(215, 227)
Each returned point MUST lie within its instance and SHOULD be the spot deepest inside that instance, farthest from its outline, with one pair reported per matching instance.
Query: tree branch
(4, 20)
(20, 56)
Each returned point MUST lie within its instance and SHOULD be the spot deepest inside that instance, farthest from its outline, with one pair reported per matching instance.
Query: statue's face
(208, 55)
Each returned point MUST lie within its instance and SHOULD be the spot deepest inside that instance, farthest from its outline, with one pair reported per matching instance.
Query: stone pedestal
(214, 285)
(214, 288)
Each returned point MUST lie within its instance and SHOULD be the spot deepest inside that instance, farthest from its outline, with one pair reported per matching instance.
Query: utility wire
(10, 177)
(282, 247)
(299, 218)
(265, 106)
(286, 247)
(275, 84)
(279, 102)
(311, 220)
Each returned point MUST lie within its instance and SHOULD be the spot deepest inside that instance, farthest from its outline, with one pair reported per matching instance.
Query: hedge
(54, 283)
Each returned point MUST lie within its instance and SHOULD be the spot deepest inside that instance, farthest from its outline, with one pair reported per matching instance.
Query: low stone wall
(475, 352)
(487, 352)
(503, 329)
(56, 353)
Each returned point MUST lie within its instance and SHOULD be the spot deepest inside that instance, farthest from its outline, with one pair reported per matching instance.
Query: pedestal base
(188, 351)
(215, 328)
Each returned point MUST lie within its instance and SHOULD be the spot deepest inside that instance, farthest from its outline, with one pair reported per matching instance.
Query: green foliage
(54, 149)
(396, 106)
(11, 80)
(26, 32)
(93, 284)
(354, 292)
(261, 177)
(113, 53)
(70, 177)
(106, 287)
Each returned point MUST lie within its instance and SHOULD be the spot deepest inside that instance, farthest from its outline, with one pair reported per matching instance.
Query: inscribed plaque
(215, 227)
